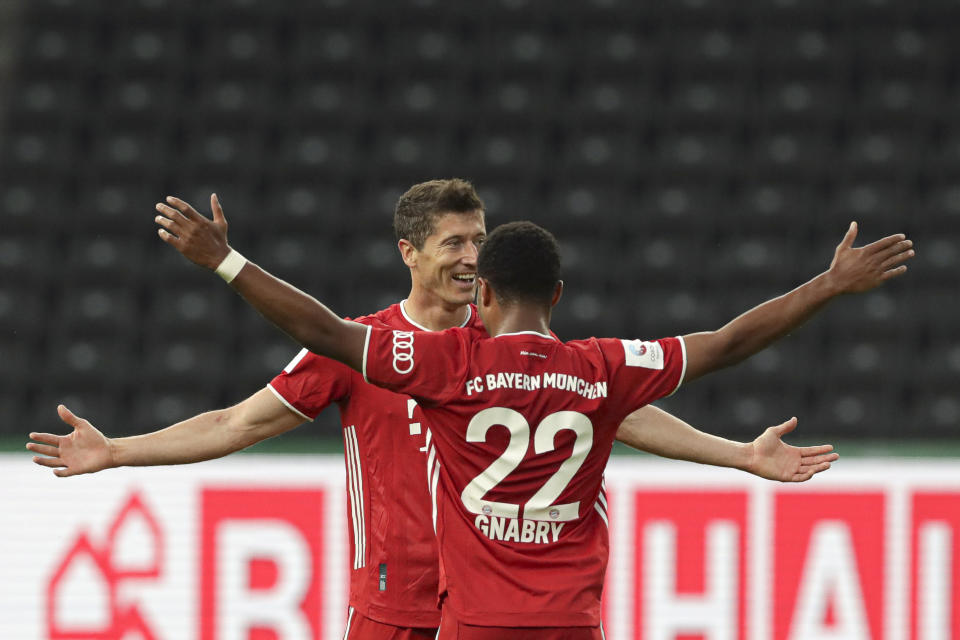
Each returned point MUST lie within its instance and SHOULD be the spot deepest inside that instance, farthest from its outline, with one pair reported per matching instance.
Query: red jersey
(520, 430)
(393, 549)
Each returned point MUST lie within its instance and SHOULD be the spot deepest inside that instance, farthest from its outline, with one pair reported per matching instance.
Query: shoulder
(389, 318)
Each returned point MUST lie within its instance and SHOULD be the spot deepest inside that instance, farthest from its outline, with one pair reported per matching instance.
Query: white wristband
(231, 266)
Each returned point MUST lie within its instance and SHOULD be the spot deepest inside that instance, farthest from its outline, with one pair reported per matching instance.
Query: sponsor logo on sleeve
(403, 352)
(643, 354)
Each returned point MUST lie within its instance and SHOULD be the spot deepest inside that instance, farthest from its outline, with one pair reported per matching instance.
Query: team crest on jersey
(403, 352)
(643, 354)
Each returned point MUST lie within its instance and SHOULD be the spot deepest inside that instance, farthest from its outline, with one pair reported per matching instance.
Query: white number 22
(540, 505)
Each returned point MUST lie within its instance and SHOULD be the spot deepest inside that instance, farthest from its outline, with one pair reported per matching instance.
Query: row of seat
(574, 97)
(736, 411)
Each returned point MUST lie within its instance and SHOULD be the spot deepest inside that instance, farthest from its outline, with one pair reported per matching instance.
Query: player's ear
(408, 252)
(484, 293)
(557, 293)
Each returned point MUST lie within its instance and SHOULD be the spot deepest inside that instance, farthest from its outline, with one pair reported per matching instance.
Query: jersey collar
(527, 333)
(403, 311)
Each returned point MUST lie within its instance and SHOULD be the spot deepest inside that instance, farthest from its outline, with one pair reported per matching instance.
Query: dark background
(695, 157)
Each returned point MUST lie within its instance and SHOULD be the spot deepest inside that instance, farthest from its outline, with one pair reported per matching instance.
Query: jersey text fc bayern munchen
(520, 430)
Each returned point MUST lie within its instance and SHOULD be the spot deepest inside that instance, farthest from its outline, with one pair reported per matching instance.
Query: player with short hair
(521, 424)
(393, 554)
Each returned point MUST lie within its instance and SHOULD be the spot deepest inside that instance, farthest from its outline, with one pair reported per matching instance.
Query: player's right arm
(203, 437)
(853, 270)
(311, 324)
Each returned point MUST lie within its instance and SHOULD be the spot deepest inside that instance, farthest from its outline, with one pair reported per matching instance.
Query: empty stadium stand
(694, 157)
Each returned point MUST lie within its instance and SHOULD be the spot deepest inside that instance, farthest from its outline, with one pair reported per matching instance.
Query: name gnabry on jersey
(518, 530)
(524, 382)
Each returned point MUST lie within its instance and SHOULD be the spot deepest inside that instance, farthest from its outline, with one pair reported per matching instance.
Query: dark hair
(417, 210)
(521, 261)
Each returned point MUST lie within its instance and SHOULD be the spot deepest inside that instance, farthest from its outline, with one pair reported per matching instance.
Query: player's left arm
(204, 242)
(655, 431)
(853, 270)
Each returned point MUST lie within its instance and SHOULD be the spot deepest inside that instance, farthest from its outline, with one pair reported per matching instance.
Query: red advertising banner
(254, 548)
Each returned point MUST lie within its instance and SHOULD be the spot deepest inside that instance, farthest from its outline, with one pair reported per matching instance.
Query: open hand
(85, 450)
(774, 459)
(199, 239)
(864, 268)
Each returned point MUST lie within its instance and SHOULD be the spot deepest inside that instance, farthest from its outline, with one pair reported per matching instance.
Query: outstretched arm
(655, 431)
(852, 271)
(202, 437)
(302, 317)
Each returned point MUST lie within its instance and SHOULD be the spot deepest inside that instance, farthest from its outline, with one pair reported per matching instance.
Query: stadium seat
(19, 345)
(934, 411)
(28, 259)
(794, 153)
(856, 413)
(675, 206)
(709, 103)
(84, 357)
(317, 152)
(96, 309)
(317, 47)
(175, 362)
(155, 409)
(337, 99)
(498, 153)
(234, 101)
(623, 48)
(802, 49)
(414, 152)
(101, 259)
(190, 312)
(511, 96)
(801, 101)
(693, 153)
(38, 151)
(28, 207)
(898, 100)
(57, 49)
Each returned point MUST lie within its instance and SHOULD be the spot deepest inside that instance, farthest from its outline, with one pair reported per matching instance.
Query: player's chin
(462, 295)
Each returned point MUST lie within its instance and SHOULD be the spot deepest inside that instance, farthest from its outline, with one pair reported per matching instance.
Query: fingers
(171, 225)
(218, 216)
(169, 238)
(850, 236)
(815, 450)
(67, 416)
(807, 472)
(893, 273)
(786, 427)
(184, 208)
(48, 462)
(900, 252)
(46, 438)
(820, 459)
(44, 449)
(885, 243)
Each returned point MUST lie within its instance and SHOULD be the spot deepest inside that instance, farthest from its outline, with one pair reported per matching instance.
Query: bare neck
(434, 314)
(517, 318)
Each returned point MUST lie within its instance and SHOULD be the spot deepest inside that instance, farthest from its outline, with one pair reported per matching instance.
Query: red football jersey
(520, 430)
(393, 549)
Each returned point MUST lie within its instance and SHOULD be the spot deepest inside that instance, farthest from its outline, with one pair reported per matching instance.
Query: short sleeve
(310, 383)
(426, 365)
(644, 371)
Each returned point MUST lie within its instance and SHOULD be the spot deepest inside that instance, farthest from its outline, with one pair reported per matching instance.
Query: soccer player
(520, 425)
(439, 226)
